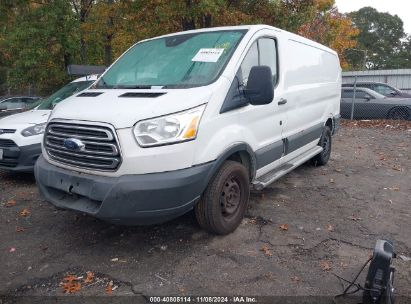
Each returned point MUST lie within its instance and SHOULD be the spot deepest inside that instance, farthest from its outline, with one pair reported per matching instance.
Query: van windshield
(178, 61)
(63, 93)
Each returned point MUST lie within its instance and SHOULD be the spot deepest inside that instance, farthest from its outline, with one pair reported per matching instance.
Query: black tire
(325, 142)
(224, 202)
(399, 113)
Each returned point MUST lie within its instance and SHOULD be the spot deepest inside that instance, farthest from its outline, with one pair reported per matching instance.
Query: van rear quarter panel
(311, 82)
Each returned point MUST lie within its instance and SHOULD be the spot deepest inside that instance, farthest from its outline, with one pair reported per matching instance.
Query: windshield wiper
(142, 87)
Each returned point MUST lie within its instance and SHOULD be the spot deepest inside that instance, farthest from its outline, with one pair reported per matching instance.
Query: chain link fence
(376, 94)
(26, 91)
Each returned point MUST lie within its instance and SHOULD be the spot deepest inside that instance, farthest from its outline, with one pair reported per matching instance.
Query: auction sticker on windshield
(1, 154)
(208, 55)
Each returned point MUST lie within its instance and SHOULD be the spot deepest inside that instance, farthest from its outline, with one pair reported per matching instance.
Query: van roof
(253, 29)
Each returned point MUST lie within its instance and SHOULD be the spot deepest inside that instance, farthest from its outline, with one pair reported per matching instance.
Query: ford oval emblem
(73, 144)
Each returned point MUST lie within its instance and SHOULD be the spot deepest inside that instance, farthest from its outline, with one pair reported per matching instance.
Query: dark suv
(382, 88)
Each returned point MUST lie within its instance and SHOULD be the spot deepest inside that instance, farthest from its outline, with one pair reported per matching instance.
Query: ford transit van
(192, 120)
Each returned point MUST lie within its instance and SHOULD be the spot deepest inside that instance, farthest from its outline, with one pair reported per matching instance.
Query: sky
(402, 8)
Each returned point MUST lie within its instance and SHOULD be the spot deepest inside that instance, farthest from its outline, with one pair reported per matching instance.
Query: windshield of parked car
(63, 93)
(385, 90)
(178, 61)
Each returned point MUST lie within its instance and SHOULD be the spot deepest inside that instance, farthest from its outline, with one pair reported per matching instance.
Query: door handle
(282, 101)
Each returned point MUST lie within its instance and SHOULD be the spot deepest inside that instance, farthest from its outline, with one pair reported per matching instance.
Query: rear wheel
(399, 113)
(325, 142)
(224, 202)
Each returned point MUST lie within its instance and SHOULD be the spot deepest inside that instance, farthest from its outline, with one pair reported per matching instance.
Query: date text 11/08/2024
(202, 299)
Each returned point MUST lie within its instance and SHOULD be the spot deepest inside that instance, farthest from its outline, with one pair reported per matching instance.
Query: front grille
(7, 131)
(7, 143)
(101, 150)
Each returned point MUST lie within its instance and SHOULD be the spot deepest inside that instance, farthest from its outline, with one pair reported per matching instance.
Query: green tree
(41, 43)
(380, 36)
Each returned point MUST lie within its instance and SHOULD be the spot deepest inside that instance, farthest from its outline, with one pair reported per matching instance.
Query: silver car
(369, 104)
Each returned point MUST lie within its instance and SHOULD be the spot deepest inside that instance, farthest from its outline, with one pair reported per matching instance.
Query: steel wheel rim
(230, 197)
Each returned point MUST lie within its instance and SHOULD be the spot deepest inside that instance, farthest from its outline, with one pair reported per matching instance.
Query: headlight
(178, 127)
(34, 130)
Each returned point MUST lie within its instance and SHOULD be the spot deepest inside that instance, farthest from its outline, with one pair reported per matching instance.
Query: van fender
(231, 150)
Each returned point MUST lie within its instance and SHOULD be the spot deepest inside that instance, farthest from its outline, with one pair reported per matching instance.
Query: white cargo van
(192, 120)
(21, 134)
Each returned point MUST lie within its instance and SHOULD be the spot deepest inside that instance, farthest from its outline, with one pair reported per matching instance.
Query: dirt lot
(298, 232)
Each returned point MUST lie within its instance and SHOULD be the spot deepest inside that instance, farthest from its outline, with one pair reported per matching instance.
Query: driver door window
(250, 60)
(262, 52)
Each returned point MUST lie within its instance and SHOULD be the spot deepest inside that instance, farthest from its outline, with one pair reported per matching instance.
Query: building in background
(400, 78)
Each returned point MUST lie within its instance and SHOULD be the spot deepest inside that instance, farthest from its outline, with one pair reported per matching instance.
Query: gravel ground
(299, 232)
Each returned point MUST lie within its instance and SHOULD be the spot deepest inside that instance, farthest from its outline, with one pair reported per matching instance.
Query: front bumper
(129, 199)
(19, 159)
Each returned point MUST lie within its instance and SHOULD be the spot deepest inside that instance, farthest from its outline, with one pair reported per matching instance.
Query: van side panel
(312, 79)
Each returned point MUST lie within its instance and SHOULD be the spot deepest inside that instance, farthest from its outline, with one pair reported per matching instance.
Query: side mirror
(260, 87)
(367, 97)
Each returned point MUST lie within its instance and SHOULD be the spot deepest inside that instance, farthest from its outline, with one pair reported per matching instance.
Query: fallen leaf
(325, 266)
(397, 169)
(354, 218)
(295, 279)
(252, 221)
(109, 288)
(330, 228)
(266, 250)
(12, 249)
(25, 212)
(71, 287)
(284, 227)
(338, 169)
(89, 277)
(20, 229)
(70, 278)
(10, 203)
(70, 284)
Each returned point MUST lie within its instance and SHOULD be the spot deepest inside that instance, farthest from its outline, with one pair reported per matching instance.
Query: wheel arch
(405, 108)
(239, 152)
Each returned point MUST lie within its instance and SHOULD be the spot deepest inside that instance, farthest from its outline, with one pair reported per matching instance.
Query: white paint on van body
(309, 78)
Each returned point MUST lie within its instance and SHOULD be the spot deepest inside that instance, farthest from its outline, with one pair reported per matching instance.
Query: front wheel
(325, 142)
(224, 202)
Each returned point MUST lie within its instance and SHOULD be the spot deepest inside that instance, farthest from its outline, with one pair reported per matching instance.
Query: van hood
(21, 120)
(123, 110)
